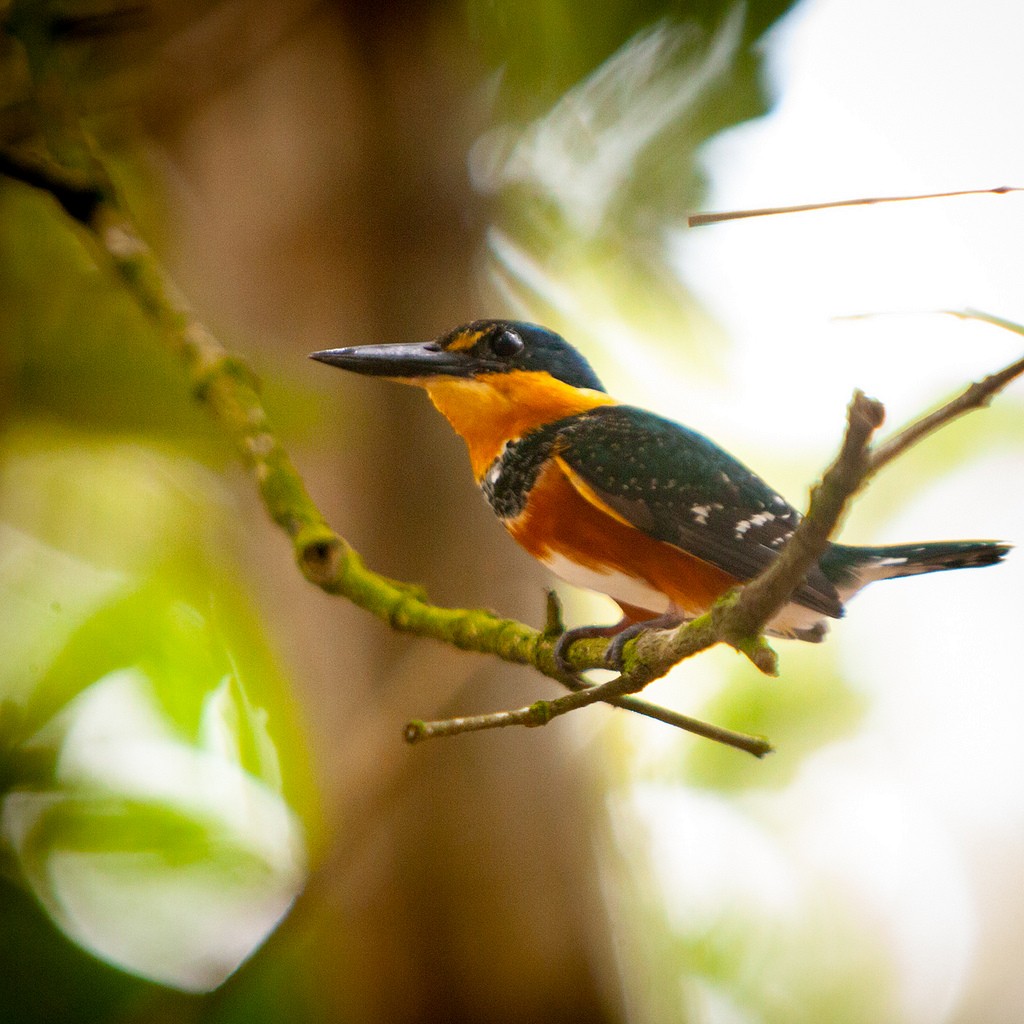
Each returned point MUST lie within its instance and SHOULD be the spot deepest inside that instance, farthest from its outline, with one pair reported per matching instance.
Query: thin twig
(756, 745)
(612, 692)
(975, 396)
(700, 219)
(540, 712)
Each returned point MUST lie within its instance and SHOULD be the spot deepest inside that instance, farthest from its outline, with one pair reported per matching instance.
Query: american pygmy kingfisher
(617, 499)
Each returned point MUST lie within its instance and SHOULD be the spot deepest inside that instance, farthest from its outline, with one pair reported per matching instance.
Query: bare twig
(613, 692)
(700, 219)
(538, 713)
(756, 745)
(975, 396)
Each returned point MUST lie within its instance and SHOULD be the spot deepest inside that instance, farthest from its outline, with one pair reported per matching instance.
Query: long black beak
(418, 359)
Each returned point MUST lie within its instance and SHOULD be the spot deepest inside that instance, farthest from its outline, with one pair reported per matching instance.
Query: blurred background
(208, 813)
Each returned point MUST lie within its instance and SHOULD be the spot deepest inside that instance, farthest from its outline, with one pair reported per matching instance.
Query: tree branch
(975, 396)
(616, 692)
(766, 595)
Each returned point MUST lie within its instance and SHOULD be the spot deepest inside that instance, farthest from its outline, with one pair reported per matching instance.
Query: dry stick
(700, 219)
(616, 692)
(759, 746)
(538, 713)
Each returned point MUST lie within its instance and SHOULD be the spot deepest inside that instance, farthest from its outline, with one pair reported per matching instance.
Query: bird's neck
(491, 410)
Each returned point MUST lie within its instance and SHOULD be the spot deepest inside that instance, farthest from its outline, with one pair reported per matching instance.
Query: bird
(619, 500)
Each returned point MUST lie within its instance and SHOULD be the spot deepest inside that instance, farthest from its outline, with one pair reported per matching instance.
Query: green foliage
(152, 761)
(593, 154)
(544, 48)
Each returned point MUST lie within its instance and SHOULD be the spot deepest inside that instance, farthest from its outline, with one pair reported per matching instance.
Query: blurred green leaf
(156, 850)
(155, 773)
(593, 157)
(544, 48)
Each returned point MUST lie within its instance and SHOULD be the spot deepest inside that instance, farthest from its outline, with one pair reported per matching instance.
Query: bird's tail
(851, 568)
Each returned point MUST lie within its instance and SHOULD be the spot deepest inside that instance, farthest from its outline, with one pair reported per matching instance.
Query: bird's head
(494, 380)
(474, 351)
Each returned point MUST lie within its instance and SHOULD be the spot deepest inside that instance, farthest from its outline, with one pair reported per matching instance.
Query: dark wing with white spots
(677, 486)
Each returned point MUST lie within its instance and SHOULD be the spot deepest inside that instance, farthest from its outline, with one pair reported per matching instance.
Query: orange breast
(559, 521)
(490, 409)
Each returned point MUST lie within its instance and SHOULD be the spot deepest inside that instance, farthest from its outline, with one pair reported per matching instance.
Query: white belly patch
(618, 586)
(792, 620)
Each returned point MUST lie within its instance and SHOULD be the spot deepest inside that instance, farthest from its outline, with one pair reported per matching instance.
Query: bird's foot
(613, 655)
(570, 636)
(621, 633)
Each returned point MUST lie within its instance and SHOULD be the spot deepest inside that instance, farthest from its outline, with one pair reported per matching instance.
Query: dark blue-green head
(472, 350)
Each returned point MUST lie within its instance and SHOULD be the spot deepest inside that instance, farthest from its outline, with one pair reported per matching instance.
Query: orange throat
(490, 410)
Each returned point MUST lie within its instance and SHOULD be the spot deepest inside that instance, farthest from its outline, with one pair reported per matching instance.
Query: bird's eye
(507, 344)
